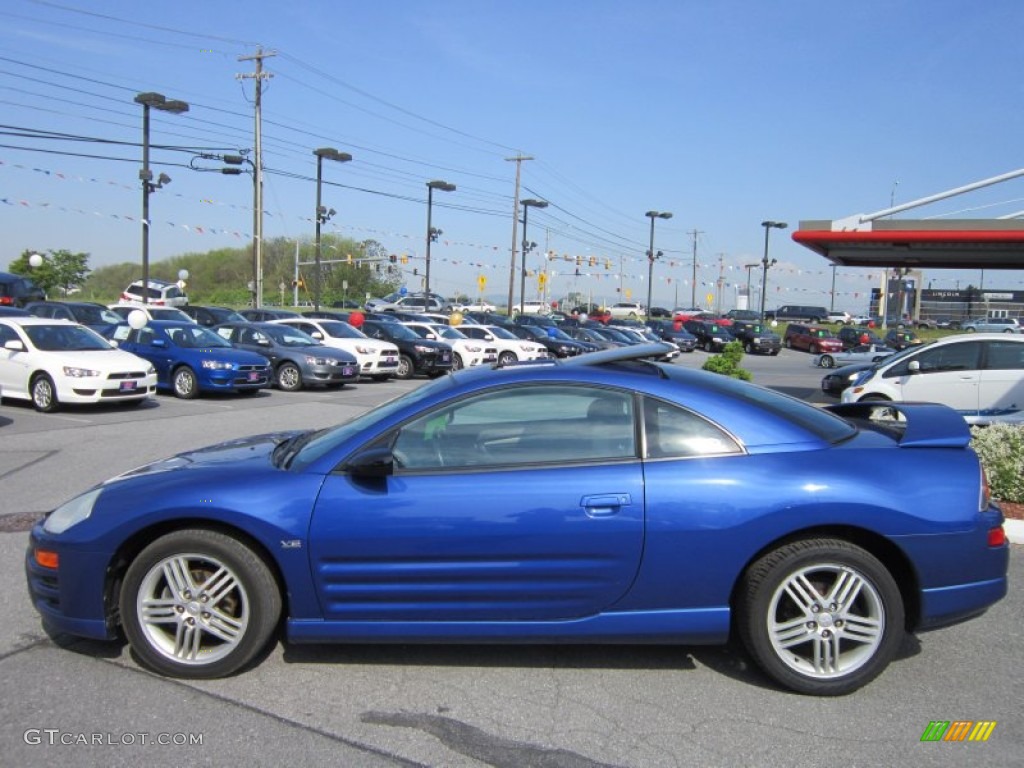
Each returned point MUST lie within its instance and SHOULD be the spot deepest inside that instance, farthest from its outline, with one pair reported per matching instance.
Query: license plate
(348, 370)
(446, 357)
(129, 386)
(254, 375)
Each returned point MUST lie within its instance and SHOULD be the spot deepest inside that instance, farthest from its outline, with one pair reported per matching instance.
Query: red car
(811, 338)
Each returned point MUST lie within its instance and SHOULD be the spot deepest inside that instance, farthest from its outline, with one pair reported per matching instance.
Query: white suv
(992, 325)
(626, 310)
(160, 294)
(981, 375)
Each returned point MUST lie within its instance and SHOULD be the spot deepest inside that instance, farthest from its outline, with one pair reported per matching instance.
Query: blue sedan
(190, 358)
(603, 499)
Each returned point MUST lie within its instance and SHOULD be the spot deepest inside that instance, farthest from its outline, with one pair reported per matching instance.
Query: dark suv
(667, 331)
(757, 338)
(853, 337)
(415, 355)
(811, 338)
(17, 291)
(711, 337)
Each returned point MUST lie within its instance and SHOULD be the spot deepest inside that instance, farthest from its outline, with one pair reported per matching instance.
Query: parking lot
(88, 703)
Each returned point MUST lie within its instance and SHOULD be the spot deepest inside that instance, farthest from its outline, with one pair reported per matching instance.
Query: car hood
(107, 358)
(248, 449)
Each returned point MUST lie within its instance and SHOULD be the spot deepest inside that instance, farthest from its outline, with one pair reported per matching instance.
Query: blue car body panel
(627, 550)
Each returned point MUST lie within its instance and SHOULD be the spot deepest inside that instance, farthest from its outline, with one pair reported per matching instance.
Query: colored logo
(958, 730)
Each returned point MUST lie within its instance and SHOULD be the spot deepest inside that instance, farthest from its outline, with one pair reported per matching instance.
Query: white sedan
(510, 347)
(377, 359)
(468, 352)
(862, 353)
(50, 362)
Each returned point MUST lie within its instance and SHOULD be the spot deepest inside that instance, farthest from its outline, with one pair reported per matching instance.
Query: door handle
(605, 504)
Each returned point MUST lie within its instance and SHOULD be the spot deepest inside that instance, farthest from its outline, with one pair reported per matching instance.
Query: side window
(542, 424)
(1004, 356)
(7, 334)
(950, 357)
(674, 432)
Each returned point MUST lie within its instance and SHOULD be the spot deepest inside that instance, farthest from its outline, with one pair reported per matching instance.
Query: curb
(1014, 530)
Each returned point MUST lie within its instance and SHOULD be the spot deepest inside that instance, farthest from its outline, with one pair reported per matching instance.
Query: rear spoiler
(923, 425)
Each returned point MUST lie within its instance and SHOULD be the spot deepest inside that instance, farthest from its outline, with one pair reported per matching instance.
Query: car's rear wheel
(405, 367)
(198, 604)
(289, 377)
(821, 616)
(184, 383)
(44, 394)
(827, 361)
(507, 358)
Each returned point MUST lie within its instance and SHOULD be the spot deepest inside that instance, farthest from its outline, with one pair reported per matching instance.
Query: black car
(854, 337)
(544, 321)
(326, 314)
(667, 330)
(265, 314)
(711, 337)
(835, 381)
(489, 318)
(556, 340)
(415, 355)
(900, 339)
(593, 336)
(296, 359)
(659, 312)
(95, 316)
(757, 338)
(211, 316)
(17, 291)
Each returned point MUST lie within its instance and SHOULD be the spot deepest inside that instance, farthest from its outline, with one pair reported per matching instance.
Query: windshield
(195, 337)
(89, 315)
(288, 337)
(447, 332)
(65, 338)
(399, 331)
(341, 330)
(500, 332)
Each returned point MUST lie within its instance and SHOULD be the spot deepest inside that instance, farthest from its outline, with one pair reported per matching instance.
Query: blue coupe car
(190, 358)
(603, 499)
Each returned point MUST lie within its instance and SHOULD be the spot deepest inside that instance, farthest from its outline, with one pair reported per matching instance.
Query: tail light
(997, 537)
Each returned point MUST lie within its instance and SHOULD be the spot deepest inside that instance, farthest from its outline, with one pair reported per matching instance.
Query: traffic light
(392, 258)
(415, 271)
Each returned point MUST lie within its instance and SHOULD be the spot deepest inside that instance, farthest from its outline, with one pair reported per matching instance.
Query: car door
(1001, 389)
(141, 343)
(15, 366)
(515, 504)
(946, 373)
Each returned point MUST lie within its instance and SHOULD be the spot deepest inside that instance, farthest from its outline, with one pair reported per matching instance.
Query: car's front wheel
(457, 362)
(44, 394)
(405, 367)
(198, 604)
(821, 616)
(826, 361)
(184, 383)
(289, 377)
(507, 358)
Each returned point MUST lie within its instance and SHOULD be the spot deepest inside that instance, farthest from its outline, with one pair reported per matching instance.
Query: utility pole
(257, 204)
(720, 285)
(693, 282)
(518, 160)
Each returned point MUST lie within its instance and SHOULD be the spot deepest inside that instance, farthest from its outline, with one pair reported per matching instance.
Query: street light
(323, 214)
(768, 226)
(527, 246)
(156, 101)
(433, 234)
(651, 255)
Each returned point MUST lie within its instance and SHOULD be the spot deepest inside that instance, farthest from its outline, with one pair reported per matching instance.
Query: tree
(61, 270)
(727, 363)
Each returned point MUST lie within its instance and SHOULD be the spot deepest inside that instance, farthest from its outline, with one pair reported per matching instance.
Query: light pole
(323, 214)
(748, 267)
(527, 246)
(161, 102)
(433, 234)
(832, 305)
(768, 226)
(651, 255)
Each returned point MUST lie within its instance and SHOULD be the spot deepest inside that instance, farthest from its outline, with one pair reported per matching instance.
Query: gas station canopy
(919, 243)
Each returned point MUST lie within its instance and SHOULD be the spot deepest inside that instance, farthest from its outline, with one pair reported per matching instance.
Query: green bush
(1001, 450)
(727, 362)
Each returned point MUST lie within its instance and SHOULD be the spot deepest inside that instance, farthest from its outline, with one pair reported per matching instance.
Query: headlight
(312, 360)
(363, 350)
(424, 349)
(217, 365)
(71, 513)
(473, 348)
(79, 373)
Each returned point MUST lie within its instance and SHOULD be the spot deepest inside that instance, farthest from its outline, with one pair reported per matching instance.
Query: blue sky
(724, 113)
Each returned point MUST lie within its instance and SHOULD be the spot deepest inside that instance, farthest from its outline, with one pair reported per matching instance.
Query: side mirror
(263, 343)
(375, 462)
(15, 345)
(913, 367)
(317, 335)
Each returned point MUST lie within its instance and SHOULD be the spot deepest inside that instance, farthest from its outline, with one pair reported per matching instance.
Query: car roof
(33, 320)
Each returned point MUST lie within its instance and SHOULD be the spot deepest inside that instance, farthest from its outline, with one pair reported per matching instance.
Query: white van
(981, 375)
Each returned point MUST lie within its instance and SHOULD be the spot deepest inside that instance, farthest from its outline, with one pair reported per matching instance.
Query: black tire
(289, 377)
(774, 352)
(748, 348)
(827, 361)
(44, 394)
(184, 383)
(406, 369)
(709, 346)
(789, 344)
(223, 633)
(837, 613)
(457, 362)
(507, 358)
